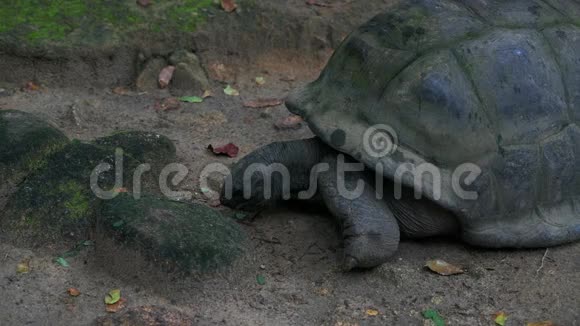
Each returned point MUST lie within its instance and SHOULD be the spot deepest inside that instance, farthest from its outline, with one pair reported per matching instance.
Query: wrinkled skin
(371, 227)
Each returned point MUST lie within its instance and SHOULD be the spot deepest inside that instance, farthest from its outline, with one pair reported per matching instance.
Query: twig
(543, 259)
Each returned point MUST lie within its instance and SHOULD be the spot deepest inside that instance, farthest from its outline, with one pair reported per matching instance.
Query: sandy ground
(296, 249)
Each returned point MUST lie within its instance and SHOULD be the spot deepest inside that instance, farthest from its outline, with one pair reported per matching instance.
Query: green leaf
(229, 90)
(191, 99)
(434, 316)
(62, 262)
(261, 279)
(500, 318)
(113, 296)
(240, 216)
(260, 81)
(118, 224)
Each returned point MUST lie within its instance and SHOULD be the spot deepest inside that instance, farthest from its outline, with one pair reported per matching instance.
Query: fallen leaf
(120, 90)
(165, 76)
(230, 150)
(434, 316)
(144, 3)
(260, 81)
(62, 262)
(261, 279)
(115, 307)
(500, 318)
(229, 90)
(288, 78)
(207, 93)
(372, 312)
(169, 103)
(541, 323)
(443, 268)
(263, 103)
(219, 71)
(290, 122)
(113, 296)
(191, 99)
(319, 4)
(73, 292)
(23, 267)
(323, 292)
(229, 5)
(31, 86)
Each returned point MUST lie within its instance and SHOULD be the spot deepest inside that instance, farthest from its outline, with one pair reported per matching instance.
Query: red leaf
(229, 5)
(31, 86)
(263, 103)
(165, 76)
(144, 3)
(291, 122)
(115, 307)
(169, 103)
(230, 150)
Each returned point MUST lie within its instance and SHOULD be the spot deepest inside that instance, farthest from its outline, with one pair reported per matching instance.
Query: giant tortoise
(466, 116)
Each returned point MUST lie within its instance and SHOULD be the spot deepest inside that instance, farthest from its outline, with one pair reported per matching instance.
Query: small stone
(189, 78)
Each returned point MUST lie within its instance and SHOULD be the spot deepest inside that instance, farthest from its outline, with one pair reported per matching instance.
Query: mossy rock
(56, 201)
(175, 235)
(143, 146)
(25, 141)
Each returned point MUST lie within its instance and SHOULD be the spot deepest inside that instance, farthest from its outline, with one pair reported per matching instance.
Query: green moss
(187, 14)
(88, 21)
(38, 160)
(174, 234)
(25, 143)
(76, 202)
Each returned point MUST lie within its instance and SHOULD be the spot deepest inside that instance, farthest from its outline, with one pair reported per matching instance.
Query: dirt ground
(296, 249)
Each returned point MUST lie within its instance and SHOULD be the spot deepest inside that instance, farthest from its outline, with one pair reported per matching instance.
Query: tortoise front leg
(369, 229)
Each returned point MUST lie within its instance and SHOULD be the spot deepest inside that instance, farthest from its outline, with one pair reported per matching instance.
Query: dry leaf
(291, 122)
(372, 312)
(541, 323)
(144, 3)
(230, 150)
(115, 307)
(218, 71)
(31, 86)
(169, 103)
(500, 318)
(165, 76)
(120, 90)
(319, 4)
(323, 292)
(288, 78)
(229, 5)
(206, 94)
(73, 292)
(443, 268)
(263, 103)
